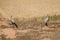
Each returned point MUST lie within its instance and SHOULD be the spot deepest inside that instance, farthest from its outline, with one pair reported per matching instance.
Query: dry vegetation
(30, 29)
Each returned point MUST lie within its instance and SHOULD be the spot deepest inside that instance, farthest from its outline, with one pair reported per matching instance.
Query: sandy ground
(45, 34)
(36, 33)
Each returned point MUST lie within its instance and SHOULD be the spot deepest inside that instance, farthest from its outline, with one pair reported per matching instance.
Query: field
(29, 16)
(31, 29)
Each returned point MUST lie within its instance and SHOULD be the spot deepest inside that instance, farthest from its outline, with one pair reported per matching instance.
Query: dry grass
(30, 29)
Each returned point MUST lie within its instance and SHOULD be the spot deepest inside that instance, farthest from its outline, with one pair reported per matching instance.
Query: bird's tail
(16, 25)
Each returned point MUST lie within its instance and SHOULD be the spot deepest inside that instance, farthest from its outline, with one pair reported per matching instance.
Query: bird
(13, 22)
(46, 21)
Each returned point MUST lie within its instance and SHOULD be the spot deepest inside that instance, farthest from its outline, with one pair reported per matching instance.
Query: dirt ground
(29, 32)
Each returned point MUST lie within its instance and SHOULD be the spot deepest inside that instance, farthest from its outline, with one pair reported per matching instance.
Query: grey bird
(46, 21)
(13, 22)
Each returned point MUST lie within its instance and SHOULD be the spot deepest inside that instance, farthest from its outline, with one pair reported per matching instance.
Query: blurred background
(30, 8)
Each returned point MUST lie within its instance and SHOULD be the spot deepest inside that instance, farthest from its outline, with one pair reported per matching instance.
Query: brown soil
(35, 33)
